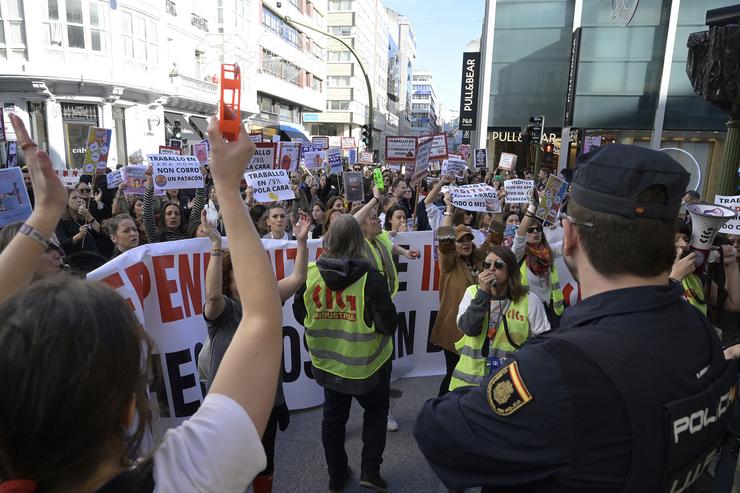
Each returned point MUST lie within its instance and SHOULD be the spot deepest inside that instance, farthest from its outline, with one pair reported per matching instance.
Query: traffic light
(367, 137)
(176, 129)
(547, 154)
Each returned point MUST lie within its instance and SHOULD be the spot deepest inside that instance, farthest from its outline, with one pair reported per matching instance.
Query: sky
(442, 29)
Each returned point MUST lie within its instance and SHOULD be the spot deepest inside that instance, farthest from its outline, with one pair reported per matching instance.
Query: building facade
(424, 104)
(630, 85)
(406, 40)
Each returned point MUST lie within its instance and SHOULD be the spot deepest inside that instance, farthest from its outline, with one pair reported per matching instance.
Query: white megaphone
(706, 221)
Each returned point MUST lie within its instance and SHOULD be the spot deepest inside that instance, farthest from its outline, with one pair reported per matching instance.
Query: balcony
(171, 9)
(189, 93)
(199, 22)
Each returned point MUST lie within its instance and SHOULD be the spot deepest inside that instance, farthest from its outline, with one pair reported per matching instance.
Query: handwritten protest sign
(290, 156)
(334, 161)
(320, 140)
(476, 197)
(175, 171)
(454, 166)
(366, 157)
(551, 199)
(507, 162)
(98, 145)
(315, 159)
(200, 151)
(353, 186)
(731, 227)
(400, 149)
(517, 191)
(421, 167)
(14, 202)
(348, 143)
(114, 178)
(270, 185)
(481, 158)
(439, 147)
(69, 177)
(255, 137)
(265, 157)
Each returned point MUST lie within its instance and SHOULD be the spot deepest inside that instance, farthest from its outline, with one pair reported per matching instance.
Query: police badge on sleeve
(507, 392)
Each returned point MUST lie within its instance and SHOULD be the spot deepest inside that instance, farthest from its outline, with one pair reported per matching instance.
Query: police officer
(632, 392)
(349, 318)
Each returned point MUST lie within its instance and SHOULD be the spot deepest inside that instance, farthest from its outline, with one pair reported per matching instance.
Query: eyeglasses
(534, 229)
(577, 223)
(498, 264)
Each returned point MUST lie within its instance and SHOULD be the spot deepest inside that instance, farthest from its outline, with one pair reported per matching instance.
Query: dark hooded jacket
(338, 274)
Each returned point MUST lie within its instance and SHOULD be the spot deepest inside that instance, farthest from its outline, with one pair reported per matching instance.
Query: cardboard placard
(289, 156)
(517, 191)
(507, 162)
(315, 159)
(476, 197)
(454, 166)
(400, 149)
(135, 176)
(98, 145)
(551, 200)
(731, 227)
(255, 137)
(366, 157)
(265, 157)
(481, 158)
(114, 178)
(182, 172)
(170, 150)
(321, 140)
(464, 151)
(439, 147)
(14, 202)
(348, 143)
(334, 161)
(200, 151)
(69, 177)
(270, 185)
(353, 188)
(421, 167)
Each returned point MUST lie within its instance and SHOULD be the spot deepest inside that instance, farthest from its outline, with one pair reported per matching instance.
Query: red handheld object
(231, 89)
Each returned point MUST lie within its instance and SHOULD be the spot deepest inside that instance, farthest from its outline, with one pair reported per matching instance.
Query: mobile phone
(378, 178)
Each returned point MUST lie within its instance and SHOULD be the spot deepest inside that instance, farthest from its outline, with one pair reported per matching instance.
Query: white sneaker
(392, 423)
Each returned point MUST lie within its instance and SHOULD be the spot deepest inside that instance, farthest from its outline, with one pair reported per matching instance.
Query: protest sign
(464, 151)
(353, 188)
(114, 178)
(591, 142)
(289, 156)
(306, 148)
(454, 166)
(509, 234)
(276, 139)
(517, 191)
(731, 227)
(98, 145)
(400, 149)
(551, 199)
(265, 157)
(12, 153)
(421, 167)
(481, 158)
(334, 161)
(14, 202)
(200, 151)
(180, 172)
(439, 147)
(255, 137)
(321, 140)
(270, 185)
(69, 177)
(314, 159)
(348, 143)
(366, 157)
(170, 150)
(135, 177)
(476, 197)
(507, 162)
(165, 285)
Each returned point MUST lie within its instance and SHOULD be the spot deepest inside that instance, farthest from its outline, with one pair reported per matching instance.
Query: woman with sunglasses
(497, 316)
(537, 260)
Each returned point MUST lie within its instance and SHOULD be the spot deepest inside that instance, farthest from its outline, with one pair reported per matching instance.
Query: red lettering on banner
(138, 275)
(291, 253)
(319, 251)
(190, 284)
(115, 282)
(279, 264)
(165, 288)
(436, 275)
(426, 268)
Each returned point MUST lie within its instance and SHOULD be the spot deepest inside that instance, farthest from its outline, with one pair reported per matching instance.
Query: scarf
(538, 258)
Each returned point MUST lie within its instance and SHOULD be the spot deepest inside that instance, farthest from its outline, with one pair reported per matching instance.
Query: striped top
(150, 227)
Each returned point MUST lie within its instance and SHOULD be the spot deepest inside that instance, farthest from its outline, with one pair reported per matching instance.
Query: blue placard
(334, 159)
(14, 202)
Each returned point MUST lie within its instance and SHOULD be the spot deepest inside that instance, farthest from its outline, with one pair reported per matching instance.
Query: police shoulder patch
(507, 392)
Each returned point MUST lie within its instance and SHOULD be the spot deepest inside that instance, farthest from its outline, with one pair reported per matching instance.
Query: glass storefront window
(77, 119)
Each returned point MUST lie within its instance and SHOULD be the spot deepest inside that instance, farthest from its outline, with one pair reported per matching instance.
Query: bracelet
(216, 253)
(674, 280)
(34, 234)
(529, 214)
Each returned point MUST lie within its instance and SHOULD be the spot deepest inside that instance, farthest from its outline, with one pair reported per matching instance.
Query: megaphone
(706, 221)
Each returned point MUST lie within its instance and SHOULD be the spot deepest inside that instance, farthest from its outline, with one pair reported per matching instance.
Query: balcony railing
(171, 9)
(186, 82)
(199, 22)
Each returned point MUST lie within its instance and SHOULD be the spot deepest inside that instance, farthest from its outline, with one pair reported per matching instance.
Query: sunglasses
(465, 239)
(498, 264)
(534, 229)
(83, 190)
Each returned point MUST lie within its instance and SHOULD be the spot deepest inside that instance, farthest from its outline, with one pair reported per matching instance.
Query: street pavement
(299, 458)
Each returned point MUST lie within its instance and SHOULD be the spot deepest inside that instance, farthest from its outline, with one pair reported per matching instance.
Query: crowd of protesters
(482, 282)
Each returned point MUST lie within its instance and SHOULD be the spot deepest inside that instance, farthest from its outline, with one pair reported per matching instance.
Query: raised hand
(486, 279)
(212, 232)
(302, 227)
(229, 160)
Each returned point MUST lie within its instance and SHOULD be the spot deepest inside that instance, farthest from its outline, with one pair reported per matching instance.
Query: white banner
(731, 227)
(507, 162)
(171, 171)
(476, 197)
(165, 285)
(400, 149)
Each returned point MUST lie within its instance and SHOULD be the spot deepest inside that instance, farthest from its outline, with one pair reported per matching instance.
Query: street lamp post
(359, 62)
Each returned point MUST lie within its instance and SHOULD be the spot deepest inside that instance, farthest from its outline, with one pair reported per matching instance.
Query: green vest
(693, 292)
(338, 339)
(558, 304)
(381, 248)
(471, 369)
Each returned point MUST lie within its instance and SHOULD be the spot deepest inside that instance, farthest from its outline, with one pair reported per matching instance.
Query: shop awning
(188, 133)
(287, 131)
(200, 123)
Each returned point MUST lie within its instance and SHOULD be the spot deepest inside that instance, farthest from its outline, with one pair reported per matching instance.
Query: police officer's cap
(610, 178)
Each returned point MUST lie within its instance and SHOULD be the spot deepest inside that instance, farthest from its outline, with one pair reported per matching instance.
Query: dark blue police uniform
(632, 393)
